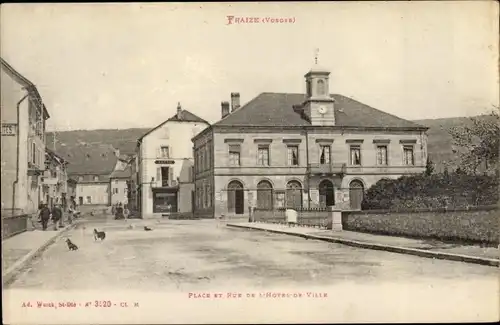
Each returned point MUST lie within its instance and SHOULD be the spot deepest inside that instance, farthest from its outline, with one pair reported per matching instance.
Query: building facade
(119, 182)
(92, 189)
(23, 118)
(301, 151)
(164, 165)
(55, 179)
(133, 185)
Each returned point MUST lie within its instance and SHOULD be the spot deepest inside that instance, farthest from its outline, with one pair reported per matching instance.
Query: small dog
(71, 246)
(99, 235)
(147, 228)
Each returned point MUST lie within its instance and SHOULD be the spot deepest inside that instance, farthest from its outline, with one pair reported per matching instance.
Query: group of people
(120, 211)
(56, 214)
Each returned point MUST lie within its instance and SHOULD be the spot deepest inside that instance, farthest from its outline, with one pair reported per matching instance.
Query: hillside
(74, 145)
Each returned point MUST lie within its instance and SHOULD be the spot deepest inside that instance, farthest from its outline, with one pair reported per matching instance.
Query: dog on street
(71, 246)
(99, 235)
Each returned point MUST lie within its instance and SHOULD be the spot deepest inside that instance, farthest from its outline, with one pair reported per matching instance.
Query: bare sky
(127, 65)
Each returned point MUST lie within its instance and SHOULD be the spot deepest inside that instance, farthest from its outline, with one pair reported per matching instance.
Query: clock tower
(319, 105)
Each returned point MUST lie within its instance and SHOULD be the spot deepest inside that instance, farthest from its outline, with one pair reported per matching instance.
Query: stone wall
(310, 217)
(474, 225)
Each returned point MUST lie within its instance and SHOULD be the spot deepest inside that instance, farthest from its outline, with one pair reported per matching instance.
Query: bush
(432, 191)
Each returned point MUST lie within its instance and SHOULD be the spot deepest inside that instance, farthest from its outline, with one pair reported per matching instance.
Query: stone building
(301, 151)
(55, 179)
(23, 116)
(164, 162)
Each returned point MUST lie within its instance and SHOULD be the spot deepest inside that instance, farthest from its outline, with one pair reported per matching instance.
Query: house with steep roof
(310, 150)
(164, 160)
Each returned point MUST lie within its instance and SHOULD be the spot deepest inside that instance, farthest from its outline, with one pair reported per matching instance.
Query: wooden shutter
(170, 175)
(158, 175)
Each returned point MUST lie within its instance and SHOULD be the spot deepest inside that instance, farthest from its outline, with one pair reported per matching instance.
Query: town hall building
(301, 151)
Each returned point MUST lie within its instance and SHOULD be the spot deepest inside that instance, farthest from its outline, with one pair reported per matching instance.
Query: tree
(429, 167)
(478, 142)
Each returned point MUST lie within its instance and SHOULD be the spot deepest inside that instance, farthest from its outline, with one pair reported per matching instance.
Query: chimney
(235, 101)
(224, 109)
(179, 110)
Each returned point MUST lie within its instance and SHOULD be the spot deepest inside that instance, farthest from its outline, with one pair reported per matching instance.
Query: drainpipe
(307, 170)
(14, 185)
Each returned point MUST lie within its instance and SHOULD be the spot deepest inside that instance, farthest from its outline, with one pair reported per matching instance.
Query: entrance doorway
(235, 198)
(356, 194)
(294, 195)
(326, 194)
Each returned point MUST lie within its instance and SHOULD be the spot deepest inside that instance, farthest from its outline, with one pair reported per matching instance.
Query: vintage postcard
(258, 162)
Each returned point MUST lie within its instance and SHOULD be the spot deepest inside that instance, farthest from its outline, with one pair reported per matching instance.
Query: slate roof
(89, 159)
(276, 109)
(185, 116)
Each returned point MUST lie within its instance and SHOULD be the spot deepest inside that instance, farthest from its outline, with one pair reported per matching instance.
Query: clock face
(322, 109)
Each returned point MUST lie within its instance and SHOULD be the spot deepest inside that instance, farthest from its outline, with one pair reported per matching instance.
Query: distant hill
(73, 145)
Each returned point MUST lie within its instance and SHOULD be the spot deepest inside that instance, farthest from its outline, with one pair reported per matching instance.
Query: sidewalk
(424, 248)
(19, 250)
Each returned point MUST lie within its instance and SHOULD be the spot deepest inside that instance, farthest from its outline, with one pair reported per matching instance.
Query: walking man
(56, 215)
(44, 215)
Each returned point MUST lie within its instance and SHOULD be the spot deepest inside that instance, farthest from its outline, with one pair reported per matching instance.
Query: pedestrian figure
(56, 215)
(119, 211)
(126, 212)
(71, 210)
(44, 216)
(62, 208)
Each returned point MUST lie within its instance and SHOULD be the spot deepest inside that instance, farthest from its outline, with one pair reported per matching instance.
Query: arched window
(308, 86)
(235, 197)
(356, 194)
(264, 195)
(321, 87)
(294, 195)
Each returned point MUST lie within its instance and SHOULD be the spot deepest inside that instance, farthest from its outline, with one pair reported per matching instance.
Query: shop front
(165, 200)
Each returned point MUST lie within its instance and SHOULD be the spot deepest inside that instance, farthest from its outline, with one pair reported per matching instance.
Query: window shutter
(170, 176)
(169, 152)
(158, 175)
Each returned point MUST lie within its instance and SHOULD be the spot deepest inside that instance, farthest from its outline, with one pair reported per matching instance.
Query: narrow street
(198, 255)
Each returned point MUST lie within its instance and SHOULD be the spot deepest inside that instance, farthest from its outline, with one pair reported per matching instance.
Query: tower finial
(316, 54)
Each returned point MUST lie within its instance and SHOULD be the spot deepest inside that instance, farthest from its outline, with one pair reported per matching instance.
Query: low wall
(473, 225)
(311, 217)
(13, 225)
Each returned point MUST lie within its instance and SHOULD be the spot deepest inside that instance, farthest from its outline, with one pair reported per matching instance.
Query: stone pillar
(336, 217)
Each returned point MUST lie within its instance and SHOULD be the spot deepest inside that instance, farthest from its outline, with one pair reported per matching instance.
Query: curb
(10, 274)
(387, 248)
